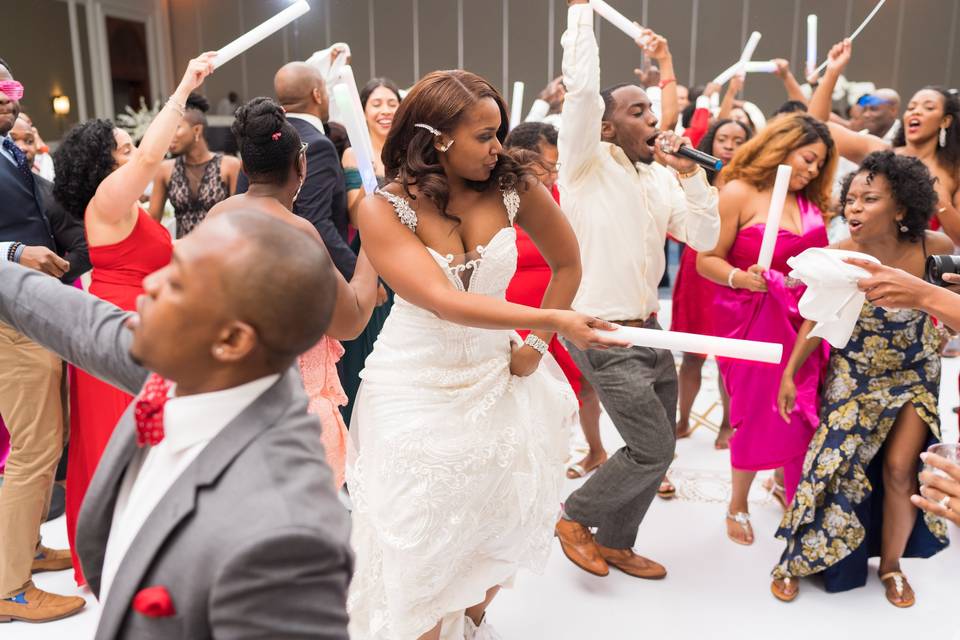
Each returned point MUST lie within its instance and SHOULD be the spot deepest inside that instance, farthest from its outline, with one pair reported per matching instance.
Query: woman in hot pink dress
(4, 445)
(753, 304)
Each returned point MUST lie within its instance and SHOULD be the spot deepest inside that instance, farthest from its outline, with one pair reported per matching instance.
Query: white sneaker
(483, 632)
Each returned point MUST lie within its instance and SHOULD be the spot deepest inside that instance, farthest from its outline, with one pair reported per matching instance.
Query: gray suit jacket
(250, 542)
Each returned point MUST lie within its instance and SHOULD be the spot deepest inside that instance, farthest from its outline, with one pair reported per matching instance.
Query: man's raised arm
(582, 111)
(82, 329)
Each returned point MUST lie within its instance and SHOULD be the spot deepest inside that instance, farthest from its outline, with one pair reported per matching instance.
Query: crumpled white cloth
(832, 299)
(329, 69)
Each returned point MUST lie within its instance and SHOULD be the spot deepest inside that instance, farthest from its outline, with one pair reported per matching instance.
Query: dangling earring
(297, 194)
(943, 137)
(903, 228)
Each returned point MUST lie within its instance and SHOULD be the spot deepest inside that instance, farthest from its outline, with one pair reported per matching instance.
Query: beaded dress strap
(403, 209)
(511, 200)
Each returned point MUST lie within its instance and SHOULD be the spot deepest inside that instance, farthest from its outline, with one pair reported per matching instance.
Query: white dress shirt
(309, 117)
(540, 112)
(620, 212)
(189, 424)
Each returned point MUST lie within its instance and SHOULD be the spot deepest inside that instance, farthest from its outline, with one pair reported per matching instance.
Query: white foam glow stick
(351, 113)
(772, 226)
(748, 50)
(616, 18)
(856, 32)
(811, 44)
(769, 352)
(740, 65)
(259, 33)
(761, 66)
(516, 104)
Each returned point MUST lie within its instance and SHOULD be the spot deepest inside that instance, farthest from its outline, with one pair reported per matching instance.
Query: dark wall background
(910, 43)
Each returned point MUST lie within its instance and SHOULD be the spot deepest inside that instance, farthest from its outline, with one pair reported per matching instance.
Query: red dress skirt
(527, 287)
(95, 406)
(693, 297)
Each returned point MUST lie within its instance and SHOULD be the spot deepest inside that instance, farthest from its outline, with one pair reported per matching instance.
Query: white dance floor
(715, 589)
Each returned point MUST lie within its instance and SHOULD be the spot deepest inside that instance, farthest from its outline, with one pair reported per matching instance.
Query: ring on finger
(944, 502)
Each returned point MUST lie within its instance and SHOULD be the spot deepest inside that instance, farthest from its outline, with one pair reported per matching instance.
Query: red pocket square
(154, 602)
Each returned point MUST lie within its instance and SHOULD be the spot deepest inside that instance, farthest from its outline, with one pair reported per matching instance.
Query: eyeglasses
(12, 89)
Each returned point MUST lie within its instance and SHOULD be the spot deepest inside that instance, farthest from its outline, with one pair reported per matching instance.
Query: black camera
(939, 265)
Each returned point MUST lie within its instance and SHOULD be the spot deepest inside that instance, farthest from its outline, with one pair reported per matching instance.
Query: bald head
(279, 281)
(889, 95)
(880, 114)
(300, 89)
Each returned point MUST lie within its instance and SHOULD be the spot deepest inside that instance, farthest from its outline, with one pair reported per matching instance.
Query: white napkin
(329, 68)
(832, 299)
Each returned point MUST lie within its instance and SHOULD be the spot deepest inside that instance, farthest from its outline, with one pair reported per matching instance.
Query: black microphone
(705, 160)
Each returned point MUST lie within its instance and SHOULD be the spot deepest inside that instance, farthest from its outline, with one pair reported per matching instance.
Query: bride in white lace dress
(459, 434)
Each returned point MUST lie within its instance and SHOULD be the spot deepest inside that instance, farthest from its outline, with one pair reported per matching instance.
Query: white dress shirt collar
(190, 423)
(309, 117)
(6, 154)
(189, 420)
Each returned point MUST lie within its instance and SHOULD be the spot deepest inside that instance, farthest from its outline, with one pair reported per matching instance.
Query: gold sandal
(666, 490)
(776, 491)
(743, 519)
(780, 588)
(576, 471)
(899, 582)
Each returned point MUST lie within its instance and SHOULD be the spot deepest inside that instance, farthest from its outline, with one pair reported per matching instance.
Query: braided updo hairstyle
(269, 145)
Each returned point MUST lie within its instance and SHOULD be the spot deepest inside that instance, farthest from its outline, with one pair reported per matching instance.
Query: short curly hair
(81, 162)
(530, 135)
(910, 184)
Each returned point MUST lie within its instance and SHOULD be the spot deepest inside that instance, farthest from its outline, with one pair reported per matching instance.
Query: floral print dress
(834, 525)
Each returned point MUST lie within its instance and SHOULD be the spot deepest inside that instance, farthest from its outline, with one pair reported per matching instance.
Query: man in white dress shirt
(622, 202)
(212, 512)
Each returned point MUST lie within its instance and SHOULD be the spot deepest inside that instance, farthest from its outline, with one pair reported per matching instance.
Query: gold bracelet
(684, 176)
(181, 108)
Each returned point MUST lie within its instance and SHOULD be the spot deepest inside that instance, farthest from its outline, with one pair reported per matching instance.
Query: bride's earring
(903, 228)
(943, 137)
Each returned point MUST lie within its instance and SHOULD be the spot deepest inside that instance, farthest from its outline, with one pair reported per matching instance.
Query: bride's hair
(440, 99)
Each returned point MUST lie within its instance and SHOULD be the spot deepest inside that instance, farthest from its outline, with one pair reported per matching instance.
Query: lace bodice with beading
(455, 466)
(486, 270)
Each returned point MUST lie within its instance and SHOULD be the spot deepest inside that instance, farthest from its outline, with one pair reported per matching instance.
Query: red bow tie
(148, 411)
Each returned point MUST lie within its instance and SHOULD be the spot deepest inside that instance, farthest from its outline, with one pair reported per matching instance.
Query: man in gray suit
(226, 525)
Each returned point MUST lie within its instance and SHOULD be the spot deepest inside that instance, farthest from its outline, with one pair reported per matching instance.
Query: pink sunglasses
(12, 89)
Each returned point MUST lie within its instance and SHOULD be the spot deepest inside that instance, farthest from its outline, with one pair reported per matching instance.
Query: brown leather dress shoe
(578, 545)
(51, 560)
(632, 564)
(33, 605)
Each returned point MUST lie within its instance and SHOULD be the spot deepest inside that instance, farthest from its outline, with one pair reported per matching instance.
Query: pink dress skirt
(318, 366)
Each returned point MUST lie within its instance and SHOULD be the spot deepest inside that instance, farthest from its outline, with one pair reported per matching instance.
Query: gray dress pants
(638, 389)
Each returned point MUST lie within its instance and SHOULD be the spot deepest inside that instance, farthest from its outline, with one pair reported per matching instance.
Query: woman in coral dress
(761, 305)
(100, 178)
(274, 161)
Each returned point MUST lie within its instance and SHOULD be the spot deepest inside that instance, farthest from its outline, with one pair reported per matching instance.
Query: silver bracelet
(730, 277)
(537, 343)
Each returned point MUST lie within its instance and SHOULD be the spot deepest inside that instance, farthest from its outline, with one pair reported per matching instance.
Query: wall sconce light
(61, 105)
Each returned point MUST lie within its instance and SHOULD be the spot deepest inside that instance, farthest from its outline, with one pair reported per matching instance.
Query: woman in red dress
(693, 294)
(100, 178)
(530, 282)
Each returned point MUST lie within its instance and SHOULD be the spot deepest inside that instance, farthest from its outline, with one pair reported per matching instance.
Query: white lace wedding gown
(455, 466)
